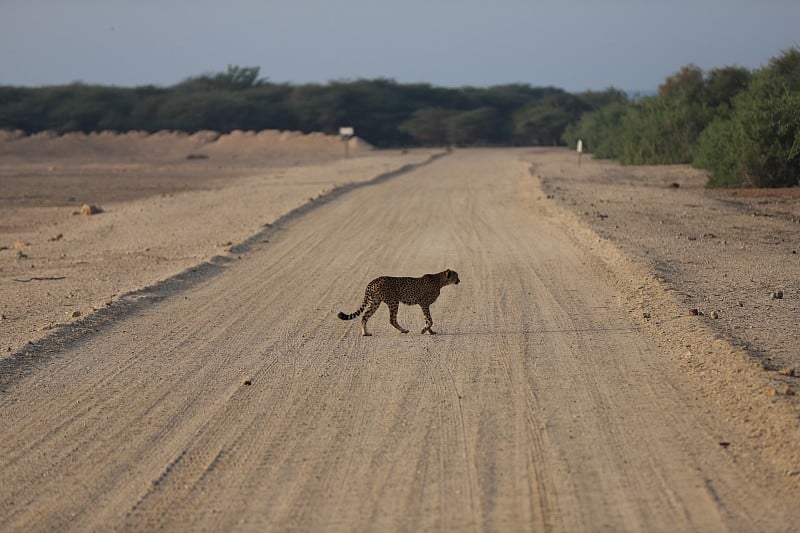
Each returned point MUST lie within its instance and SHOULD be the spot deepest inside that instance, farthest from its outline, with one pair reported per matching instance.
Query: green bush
(758, 145)
(600, 131)
(743, 127)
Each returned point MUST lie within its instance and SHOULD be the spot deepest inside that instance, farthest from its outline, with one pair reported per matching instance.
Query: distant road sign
(346, 132)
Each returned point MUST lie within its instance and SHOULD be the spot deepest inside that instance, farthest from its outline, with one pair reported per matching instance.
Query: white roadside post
(580, 151)
(346, 133)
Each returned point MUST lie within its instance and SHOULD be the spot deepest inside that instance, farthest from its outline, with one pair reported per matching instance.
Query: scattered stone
(646, 315)
(772, 391)
(675, 185)
(90, 209)
(696, 312)
(777, 295)
(715, 314)
(724, 443)
(76, 314)
(21, 244)
(55, 238)
(21, 255)
(196, 156)
(789, 372)
(248, 382)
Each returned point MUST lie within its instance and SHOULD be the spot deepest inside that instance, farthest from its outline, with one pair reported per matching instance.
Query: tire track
(540, 405)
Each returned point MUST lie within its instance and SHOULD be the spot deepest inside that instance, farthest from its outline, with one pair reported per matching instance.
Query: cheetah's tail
(351, 316)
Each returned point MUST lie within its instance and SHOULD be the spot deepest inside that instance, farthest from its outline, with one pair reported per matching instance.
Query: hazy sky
(575, 45)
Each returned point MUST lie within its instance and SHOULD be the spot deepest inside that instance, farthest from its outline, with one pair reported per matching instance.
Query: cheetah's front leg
(426, 310)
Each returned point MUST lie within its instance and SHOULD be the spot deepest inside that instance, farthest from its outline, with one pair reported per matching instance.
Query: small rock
(645, 315)
(248, 382)
(777, 295)
(90, 209)
(724, 443)
(790, 372)
(772, 391)
(696, 312)
(715, 314)
(55, 238)
(675, 185)
(76, 314)
(21, 244)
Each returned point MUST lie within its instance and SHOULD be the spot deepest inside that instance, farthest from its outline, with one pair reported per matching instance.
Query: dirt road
(540, 405)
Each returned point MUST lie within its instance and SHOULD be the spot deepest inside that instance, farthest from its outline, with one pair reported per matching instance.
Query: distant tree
(544, 122)
(600, 131)
(235, 78)
(429, 126)
(723, 84)
(596, 100)
(687, 84)
(472, 127)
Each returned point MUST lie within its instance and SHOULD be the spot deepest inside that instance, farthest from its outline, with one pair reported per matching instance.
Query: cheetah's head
(452, 277)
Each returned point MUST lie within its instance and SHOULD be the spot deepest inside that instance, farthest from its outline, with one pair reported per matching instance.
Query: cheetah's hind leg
(373, 306)
(393, 307)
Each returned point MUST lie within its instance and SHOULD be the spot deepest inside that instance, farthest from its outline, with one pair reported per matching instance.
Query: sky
(575, 45)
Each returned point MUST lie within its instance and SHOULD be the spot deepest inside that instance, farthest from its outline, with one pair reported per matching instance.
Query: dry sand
(573, 386)
(162, 213)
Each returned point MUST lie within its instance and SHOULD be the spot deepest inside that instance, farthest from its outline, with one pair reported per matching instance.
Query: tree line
(382, 111)
(742, 126)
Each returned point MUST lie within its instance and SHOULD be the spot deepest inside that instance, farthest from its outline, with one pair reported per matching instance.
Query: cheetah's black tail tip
(343, 316)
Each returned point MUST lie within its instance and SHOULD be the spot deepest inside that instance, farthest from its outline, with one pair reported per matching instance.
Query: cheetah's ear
(447, 272)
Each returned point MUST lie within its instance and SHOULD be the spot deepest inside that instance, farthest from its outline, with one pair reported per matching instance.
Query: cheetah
(410, 291)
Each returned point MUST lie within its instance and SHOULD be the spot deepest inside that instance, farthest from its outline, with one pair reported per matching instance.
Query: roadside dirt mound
(169, 145)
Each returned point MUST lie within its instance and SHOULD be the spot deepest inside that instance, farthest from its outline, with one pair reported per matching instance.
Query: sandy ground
(571, 386)
(57, 266)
